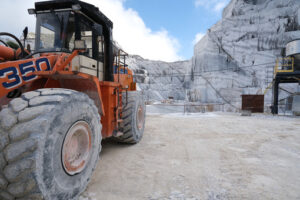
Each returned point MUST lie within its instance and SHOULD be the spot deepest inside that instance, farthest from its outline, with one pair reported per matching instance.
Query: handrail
(269, 87)
(119, 63)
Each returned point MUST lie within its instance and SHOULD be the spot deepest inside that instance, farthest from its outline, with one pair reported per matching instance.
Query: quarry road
(203, 156)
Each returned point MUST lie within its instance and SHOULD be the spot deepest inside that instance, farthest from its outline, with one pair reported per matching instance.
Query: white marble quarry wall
(241, 49)
(161, 80)
(236, 56)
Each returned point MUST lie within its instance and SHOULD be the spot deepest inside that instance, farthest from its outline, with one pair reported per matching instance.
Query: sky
(163, 30)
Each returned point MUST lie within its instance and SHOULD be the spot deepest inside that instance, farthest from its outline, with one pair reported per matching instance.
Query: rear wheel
(50, 141)
(133, 115)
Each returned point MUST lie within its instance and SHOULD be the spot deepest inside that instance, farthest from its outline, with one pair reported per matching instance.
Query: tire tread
(127, 113)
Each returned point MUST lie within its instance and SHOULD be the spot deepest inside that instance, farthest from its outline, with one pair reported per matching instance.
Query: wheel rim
(140, 118)
(77, 148)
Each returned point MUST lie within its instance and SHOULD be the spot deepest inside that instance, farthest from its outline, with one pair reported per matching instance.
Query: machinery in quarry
(287, 70)
(58, 102)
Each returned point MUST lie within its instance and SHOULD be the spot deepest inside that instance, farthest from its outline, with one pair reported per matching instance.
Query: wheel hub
(140, 118)
(77, 148)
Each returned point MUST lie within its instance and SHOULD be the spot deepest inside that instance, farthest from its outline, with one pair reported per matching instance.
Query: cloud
(215, 5)
(200, 3)
(220, 6)
(130, 31)
(198, 37)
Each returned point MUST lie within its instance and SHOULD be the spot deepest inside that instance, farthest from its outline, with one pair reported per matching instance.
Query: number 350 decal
(16, 76)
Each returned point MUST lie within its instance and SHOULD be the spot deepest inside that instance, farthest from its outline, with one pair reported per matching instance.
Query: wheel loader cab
(60, 23)
(57, 31)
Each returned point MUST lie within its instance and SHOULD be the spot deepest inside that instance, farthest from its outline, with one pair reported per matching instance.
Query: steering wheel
(23, 53)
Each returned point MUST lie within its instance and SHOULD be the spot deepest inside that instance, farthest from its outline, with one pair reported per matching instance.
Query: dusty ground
(207, 156)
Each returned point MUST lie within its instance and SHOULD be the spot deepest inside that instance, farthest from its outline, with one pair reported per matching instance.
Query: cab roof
(89, 10)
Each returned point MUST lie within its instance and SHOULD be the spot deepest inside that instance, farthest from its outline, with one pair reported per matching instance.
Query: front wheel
(50, 141)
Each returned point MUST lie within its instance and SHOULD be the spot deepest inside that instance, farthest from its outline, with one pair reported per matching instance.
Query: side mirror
(31, 11)
(25, 33)
(79, 45)
(98, 28)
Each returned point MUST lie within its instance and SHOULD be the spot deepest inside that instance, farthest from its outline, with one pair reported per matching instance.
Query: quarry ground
(203, 156)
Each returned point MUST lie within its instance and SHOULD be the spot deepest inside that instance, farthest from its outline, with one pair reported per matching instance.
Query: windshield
(55, 31)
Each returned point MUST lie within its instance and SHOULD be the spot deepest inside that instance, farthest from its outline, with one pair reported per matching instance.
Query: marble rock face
(236, 56)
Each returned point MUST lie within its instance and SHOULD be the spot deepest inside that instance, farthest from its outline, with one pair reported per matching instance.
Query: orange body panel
(110, 100)
(16, 74)
(126, 80)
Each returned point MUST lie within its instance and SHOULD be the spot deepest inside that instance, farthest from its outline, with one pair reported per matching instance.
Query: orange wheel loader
(59, 101)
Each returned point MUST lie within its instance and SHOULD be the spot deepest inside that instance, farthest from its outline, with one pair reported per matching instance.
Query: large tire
(132, 129)
(33, 131)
